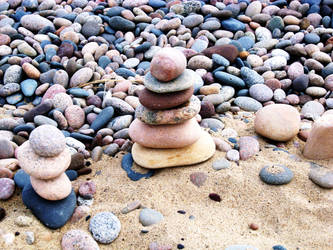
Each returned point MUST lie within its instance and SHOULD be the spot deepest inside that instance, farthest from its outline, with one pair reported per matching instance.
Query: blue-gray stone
(156, 3)
(104, 61)
(275, 23)
(50, 53)
(229, 79)
(115, 11)
(13, 99)
(30, 4)
(143, 47)
(120, 23)
(251, 77)
(246, 42)
(312, 38)
(248, 103)
(144, 65)
(149, 217)
(279, 247)
(212, 123)
(44, 120)
(124, 72)
(127, 164)
(37, 100)
(220, 60)
(276, 174)
(233, 25)
(328, 70)
(71, 174)
(4, 6)
(24, 127)
(28, 87)
(81, 137)
(53, 214)
(21, 178)
(78, 92)
(199, 45)
(102, 118)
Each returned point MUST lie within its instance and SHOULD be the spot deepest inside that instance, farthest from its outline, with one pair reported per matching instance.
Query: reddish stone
(230, 52)
(52, 91)
(4, 39)
(304, 99)
(273, 84)
(303, 134)
(248, 147)
(157, 101)
(207, 109)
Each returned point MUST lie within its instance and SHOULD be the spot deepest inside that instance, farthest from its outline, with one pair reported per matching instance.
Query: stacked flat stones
(165, 131)
(45, 158)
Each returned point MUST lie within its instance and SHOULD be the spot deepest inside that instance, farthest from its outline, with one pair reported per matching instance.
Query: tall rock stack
(165, 131)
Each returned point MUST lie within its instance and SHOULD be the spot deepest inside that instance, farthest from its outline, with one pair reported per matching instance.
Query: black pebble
(144, 231)
(180, 246)
(181, 212)
(215, 197)
(2, 213)
(17, 233)
(88, 217)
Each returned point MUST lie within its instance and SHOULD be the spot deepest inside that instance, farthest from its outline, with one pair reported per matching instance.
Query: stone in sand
(152, 100)
(200, 151)
(182, 82)
(279, 122)
(42, 167)
(320, 141)
(165, 136)
(52, 189)
(171, 116)
(47, 141)
(167, 64)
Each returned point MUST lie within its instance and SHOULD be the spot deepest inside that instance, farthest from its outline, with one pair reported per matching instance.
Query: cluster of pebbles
(166, 118)
(87, 68)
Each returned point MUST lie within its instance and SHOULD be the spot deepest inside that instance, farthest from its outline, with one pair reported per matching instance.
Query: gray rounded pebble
(149, 217)
(105, 227)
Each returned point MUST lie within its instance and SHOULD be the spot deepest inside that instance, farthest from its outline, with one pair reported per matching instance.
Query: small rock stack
(45, 158)
(165, 131)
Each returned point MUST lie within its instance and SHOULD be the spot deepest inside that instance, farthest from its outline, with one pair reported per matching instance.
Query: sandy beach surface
(297, 215)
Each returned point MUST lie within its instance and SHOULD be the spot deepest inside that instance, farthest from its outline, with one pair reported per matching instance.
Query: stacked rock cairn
(45, 158)
(166, 132)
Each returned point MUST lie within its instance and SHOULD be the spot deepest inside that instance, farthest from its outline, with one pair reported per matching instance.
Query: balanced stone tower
(45, 158)
(165, 131)
(49, 193)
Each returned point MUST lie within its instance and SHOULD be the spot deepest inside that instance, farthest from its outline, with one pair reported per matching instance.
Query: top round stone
(167, 64)
(47, 141)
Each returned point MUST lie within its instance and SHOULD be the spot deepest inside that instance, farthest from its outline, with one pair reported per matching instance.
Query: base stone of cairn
(49, 193)
(165, 131)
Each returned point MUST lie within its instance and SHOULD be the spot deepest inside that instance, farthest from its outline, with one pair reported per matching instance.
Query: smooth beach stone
(312, 110)
(41, 109)
(7, 188)
(165, 136)
(155, 101)
(321, 176)
(14, 99)
(167, 64)
(53, 214)
(261, 92)
(81, 76)
(228, 51)
(120, 23)
(212, 123)
(248, 147)
(102, 119)
(35, 22)
(9, 89)
(320, 141)
(12, 74)
(42, 167)
(182, 82)
(47, 141)
(221, 164)
(229, 79)
(28, 87)
(105, 227)
(52, 189)
(248, 103)
(6, 149)
(251, 77)
(78, 239)
(276, 174)
(149, 217)
(233, 25)
(44, 120)
(279, 122)
(75, 116)
(200, 151)
(170, 116)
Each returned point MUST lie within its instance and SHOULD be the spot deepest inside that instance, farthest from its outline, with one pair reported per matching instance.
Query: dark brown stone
(77, 161)
(157, 101)
(6, 173)
(207, 109)
(229, 51)
(84, 171)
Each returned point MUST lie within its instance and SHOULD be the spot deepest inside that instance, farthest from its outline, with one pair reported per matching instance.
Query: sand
(298, 215)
